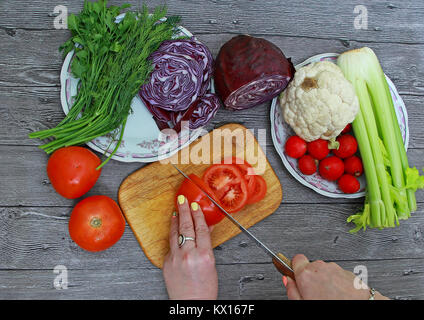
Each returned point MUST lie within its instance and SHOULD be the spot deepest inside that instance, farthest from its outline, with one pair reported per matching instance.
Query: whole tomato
(307, 165)
(331, 168)
(348, 146)
(353, 166)
(295, 147)
(96, 223)
(72, 171)
(349, 184)
(318, 149)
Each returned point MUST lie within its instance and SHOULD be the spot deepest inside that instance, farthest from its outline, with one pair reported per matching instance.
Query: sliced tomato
(247, 171)
(260, 190)
(228, 184)
(192, 190)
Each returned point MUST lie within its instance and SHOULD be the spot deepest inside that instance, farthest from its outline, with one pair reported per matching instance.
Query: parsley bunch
(111, 61)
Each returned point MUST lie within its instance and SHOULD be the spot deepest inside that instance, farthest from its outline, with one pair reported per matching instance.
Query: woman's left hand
(189, 270)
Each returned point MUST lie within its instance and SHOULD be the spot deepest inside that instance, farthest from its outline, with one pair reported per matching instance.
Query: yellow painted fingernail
(194, 206)
(181, 199)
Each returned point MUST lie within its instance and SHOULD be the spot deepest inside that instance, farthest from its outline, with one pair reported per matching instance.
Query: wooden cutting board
(147, 196)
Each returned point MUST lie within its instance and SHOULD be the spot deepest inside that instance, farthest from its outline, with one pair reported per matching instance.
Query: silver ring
(182, 239)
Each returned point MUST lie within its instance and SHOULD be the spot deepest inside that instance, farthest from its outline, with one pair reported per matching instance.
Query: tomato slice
(192, 190)
(260, 190)
(228, 184)
(247, 171)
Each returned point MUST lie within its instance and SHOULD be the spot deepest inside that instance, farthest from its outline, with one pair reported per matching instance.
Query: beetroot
(250, 71)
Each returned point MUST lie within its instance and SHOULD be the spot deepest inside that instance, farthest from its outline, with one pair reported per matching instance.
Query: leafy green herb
(111, 61)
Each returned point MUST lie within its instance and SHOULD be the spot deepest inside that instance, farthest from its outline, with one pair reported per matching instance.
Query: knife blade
(281, 262)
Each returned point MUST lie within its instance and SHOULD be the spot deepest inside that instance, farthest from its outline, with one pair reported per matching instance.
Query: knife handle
(282, 268)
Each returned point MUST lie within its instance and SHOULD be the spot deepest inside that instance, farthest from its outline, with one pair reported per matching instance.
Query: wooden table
(34, 235)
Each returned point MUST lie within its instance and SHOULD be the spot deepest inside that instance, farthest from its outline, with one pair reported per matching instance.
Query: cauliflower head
(319, 102)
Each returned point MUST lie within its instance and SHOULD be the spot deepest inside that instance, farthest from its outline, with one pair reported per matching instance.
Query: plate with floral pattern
(281, 131)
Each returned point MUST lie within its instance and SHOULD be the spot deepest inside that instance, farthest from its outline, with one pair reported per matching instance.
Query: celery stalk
(383, 144)
(374, 196)
(412, 202)
(371, 125)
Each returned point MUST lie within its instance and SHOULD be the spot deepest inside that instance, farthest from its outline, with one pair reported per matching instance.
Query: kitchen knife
(281, 262)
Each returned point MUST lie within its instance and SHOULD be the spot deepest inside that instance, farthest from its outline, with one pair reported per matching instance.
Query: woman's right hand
(319, 280)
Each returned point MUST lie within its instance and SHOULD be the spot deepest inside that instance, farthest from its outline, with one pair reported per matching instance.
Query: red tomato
(192, 190)
(295, 147)
(96, 223)
(349, 184)
(348, 146)
(318, 149)
(347, 128)
(331, 168)
(228, 184)
(259, 191)
(72, 171)
(247, 171)
(307, 165)
(353, 166)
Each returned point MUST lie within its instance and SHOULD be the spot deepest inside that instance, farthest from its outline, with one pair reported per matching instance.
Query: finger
(203, 237)
(186, 227)
(173, 233)
(292, 291)
(211, 228)
(299, 262)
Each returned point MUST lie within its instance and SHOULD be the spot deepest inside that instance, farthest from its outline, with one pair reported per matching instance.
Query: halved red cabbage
(194, 49)
(162, 117)
(175, 83)
(250, 71)
(199, 114)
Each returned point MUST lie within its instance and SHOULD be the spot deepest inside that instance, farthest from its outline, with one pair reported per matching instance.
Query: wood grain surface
(147, 196)
(33, 218)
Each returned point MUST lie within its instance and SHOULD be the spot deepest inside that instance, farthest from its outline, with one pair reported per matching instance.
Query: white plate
(280, 131)
(141, 140)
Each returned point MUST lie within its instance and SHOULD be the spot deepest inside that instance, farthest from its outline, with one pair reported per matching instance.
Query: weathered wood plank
(38, 238)
(25, 181)
(397, 279)
(397, 21)
(31, 57)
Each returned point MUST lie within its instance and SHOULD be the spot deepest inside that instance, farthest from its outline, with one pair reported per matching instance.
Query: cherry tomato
(72, 171)
(349, 184)
(347, 128)
(192, 190)
(318, 149)
(295, 147)
(228, 184)
(353, 166)
(259, 191)
(331, 168)
(307, 165)
(348, 146)
(96, 223)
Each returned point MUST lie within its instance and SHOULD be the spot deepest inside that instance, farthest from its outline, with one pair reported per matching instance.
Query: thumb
(299, 262)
